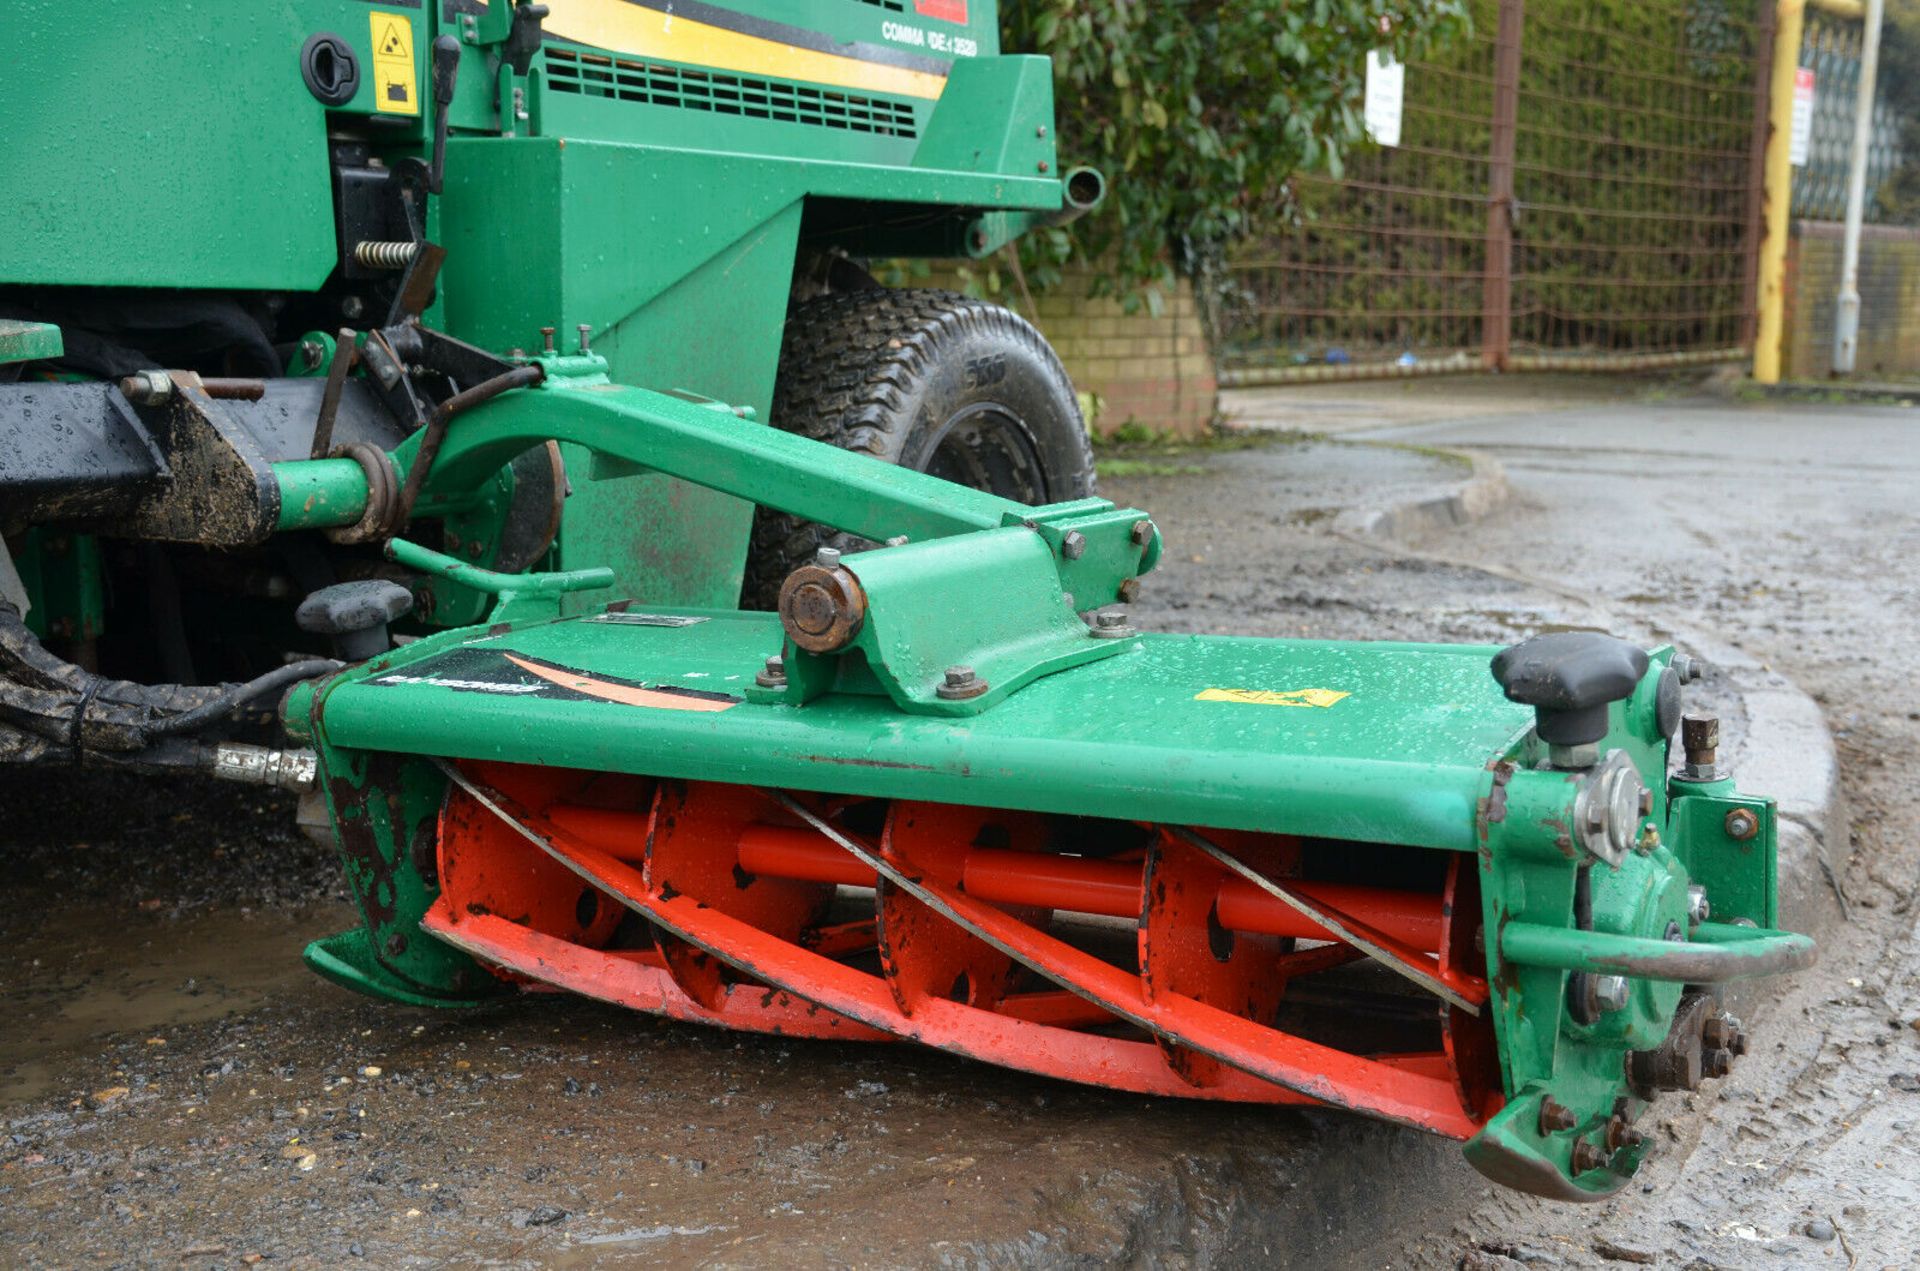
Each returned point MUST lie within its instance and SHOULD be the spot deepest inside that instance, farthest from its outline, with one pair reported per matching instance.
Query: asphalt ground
(179, 1091)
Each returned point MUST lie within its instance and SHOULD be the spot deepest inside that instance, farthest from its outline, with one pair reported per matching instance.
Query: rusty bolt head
(1073, 545)
(1045, 166)
(1129, 591)
(1741, 824)
(775, 674)
(1723, 1032)
(1555, 1116)
(1716, 1063)
(960, 683)
(1586, 1156)
(1620, 1133)
(1700, 738)
(1142, 533)
(822, 608)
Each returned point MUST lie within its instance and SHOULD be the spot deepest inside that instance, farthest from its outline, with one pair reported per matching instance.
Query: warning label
(395, 91)
(1321, 697)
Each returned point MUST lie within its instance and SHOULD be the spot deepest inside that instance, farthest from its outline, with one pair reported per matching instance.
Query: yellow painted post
(1789, 24)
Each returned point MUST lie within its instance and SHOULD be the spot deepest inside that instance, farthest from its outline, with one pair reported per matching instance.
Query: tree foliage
(1197, 111)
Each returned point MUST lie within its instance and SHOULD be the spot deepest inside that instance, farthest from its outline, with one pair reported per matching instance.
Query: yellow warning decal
(1272, 697)
(395, 90)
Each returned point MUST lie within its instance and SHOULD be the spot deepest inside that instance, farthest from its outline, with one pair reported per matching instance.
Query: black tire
(931, 380)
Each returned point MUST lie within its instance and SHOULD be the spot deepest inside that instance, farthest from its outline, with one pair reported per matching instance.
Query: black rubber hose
(210, 712)
(436, 429)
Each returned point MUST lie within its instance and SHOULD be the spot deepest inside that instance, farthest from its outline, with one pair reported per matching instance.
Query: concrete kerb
(1483, 491)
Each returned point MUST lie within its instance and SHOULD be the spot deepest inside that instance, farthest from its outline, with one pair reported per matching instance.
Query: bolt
(397, 944)
(311, 351)
(1045, 166)
(1648, 840)
(1741, 824)
(1723, 1032)
(1142, 533)
(961, 683)
(1716, 1063)
(1646, 801)
(1129, 591)
(827, 558)
(1041, 131)
(1609, 992)
(475, 548)
(352, 306)
(1586, 1157)
(586, 337)
(1073, 545)
(1555, 1116)
(1111, 626)
(1686, 668)
(546, 339)
(775, 676)
(1698, 908)
(148, 388)
(1700, 737)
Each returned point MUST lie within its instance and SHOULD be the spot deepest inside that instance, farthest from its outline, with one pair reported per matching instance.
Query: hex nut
(1555, 1116)
(1610, 992)
(775, 674)
(1741, 824)
(1073, 545)
(1142, 533)
(960, 683)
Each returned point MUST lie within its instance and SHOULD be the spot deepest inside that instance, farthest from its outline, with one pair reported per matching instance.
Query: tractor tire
(930, 380)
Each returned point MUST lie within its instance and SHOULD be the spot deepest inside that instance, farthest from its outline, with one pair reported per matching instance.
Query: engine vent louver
(656, 84)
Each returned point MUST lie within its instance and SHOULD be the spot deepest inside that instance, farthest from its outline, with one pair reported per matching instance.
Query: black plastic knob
(355, 615)
(1569, 678)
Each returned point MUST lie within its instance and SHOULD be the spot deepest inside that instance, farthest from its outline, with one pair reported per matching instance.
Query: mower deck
(1187, 729)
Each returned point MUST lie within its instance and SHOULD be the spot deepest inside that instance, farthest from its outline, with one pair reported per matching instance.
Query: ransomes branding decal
(516, 675)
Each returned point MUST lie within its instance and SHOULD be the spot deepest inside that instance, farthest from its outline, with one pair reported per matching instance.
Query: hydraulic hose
(240, 694)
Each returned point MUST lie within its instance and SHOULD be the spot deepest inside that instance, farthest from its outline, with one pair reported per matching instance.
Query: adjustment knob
(355, 615)
(1569, 678)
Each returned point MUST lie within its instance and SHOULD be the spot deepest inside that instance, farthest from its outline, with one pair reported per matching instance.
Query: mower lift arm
(915, 612)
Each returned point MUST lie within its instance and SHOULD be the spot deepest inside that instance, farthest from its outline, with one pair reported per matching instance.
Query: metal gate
(1577, 186)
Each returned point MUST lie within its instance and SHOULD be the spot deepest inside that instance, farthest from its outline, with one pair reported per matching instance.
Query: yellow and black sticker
(396, 91)
(1321, 697)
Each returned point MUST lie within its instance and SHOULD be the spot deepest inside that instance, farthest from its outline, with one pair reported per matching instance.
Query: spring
(377, 255)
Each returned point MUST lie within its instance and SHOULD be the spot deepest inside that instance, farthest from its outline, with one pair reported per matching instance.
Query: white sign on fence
(1386, 92)
(1800, 135)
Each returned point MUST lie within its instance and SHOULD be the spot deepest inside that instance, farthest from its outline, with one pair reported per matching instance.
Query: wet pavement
(178, 1090)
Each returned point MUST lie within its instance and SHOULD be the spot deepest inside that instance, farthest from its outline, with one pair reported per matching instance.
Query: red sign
(945, 10)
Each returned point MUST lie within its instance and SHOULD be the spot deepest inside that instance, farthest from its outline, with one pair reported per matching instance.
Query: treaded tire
(931, 380)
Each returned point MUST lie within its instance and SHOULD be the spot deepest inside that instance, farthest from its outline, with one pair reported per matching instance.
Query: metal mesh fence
(1831, 50)
(1630, 142)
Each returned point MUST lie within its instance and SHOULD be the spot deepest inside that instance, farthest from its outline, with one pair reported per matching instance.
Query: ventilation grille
(597, 75)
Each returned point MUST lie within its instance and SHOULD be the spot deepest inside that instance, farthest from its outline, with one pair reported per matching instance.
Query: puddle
(84, 975)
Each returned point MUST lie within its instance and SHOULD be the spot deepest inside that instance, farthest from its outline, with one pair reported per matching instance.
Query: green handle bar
(1718, 952)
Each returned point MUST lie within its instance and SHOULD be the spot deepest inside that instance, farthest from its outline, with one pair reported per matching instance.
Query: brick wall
(1149, 370)
(1889, 300)
(1153, 371)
